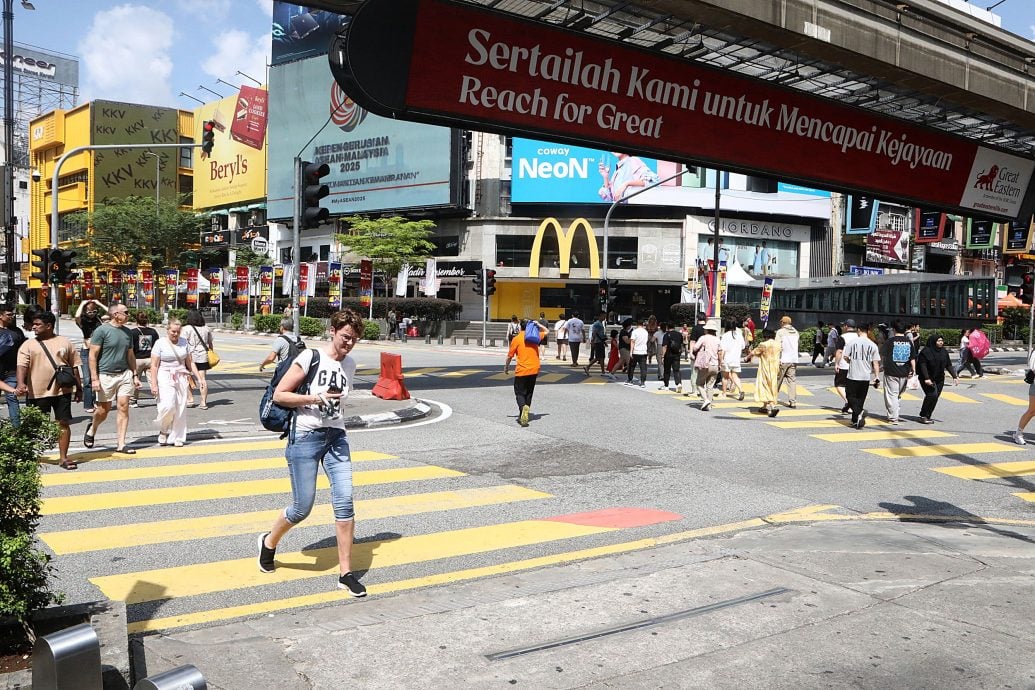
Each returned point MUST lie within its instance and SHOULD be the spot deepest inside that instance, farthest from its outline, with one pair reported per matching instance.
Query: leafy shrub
(24, 569)
(237, 320)
(1014, 319)
(371, 330)
(178, 314)
(417, 308)
(153, 315)
(268, 323)
(310, 327)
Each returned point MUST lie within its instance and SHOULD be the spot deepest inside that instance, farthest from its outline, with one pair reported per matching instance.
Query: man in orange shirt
(525, 372)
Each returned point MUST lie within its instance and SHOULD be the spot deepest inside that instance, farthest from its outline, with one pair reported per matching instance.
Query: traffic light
(62, 266)
(490, 282)
(602, 293)
(612, 291)
(311, 191)
(41, 263)
(479, 282)
(208, 137)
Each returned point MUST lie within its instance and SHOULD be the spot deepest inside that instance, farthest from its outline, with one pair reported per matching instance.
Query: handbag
(64, 375)
(213, 356)
(1029, 377)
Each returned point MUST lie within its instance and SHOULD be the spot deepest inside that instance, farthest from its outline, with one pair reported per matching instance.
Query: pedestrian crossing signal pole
(485, 307)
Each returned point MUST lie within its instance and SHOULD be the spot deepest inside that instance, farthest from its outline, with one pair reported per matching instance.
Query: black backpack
(675, 343)
(274, 417)
(294, 347)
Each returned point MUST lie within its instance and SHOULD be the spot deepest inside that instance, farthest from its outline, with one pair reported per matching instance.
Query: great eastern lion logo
(985, 180)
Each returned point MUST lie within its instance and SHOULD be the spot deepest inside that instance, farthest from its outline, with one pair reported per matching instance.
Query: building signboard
(236, 171)
(121, 173)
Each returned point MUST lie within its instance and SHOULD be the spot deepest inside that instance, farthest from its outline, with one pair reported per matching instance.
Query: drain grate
(639, 625)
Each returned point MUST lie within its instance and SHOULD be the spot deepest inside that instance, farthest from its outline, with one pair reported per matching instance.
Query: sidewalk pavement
(812, 599)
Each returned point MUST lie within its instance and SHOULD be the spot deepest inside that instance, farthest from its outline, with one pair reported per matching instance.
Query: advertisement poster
(301, 31)
(172, 282)
(334, 285)
(77, 291)
(930, 225)
(366, 282)
(376, 163)
(243, 278)
(215, 287)
(192, 287)
(69, 292)
(888, 247)
(119, 173)
(1017, 236)
(980, 233)
(862, 215)
(88, 285)
(102, 285)
(265, 289)
(131, 286)
(304, 271)
(767, 299)
(235, 173)
(147, 283)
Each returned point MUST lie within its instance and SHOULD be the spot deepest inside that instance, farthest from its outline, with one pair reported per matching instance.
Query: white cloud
(210, 9)
(266, 6)
(236, 50)
(126, 55)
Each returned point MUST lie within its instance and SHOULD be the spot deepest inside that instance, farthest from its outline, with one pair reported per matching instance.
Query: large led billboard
(376, 163)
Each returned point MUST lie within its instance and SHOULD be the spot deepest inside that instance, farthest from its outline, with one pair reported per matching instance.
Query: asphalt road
(172, 531)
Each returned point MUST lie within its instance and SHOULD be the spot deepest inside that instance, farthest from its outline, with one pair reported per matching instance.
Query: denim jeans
(304, 455)
(89, 397)
(13, 411)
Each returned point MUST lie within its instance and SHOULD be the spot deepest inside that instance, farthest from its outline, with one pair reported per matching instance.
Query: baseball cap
(850, 323)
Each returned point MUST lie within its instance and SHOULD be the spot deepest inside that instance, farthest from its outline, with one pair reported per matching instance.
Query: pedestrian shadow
(325, 555)
(923, 509)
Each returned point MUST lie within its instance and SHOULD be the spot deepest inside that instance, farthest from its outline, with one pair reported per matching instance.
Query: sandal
(202, 407)
(69, 465)
(88, 437)
(126, 450)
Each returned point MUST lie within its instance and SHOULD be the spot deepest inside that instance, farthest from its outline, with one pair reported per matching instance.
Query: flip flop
(69, 465)
(88, 437)
(202, 407)
(126, 450)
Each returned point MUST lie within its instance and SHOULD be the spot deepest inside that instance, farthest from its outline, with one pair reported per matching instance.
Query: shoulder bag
(213, 356)
(64, 376)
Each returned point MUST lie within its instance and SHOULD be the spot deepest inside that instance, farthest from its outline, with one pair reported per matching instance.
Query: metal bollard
(181, 678)
(70, 658)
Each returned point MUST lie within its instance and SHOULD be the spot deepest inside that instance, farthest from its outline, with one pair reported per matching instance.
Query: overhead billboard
(301, 31)
(236, 170)
(446, 62)
(376, 163)
(44, 65)
(543, 172)
(120, 173)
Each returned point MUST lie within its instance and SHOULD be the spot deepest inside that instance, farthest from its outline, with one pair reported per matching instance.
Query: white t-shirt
(329, 374)
(170, 354)
(560, 330)
(638, 339)
(732, 346)
(849, 338)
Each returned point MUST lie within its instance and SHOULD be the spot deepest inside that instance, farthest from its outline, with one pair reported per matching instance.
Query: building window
(257, 217)
(285, 255)
(70, 227)
(219, 222)
(308, 255)
(325, 252)
(186, 153)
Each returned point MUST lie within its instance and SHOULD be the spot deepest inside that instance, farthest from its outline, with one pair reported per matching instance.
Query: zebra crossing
(172, 531)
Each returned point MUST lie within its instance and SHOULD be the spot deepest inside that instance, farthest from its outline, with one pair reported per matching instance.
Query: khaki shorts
(115, 386)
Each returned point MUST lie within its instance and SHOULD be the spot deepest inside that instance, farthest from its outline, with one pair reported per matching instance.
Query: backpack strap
(52, 362)
(304, 388)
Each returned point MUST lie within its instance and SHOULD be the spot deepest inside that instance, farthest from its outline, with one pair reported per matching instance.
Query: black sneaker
(266, 555)
(774, 411)
(845, 409)
(349, 582)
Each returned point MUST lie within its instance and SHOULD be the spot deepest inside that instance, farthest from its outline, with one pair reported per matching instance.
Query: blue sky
(148, 51)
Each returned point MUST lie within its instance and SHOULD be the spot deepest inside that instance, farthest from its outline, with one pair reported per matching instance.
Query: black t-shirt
(895, 353)
(625, 339)
(673, 343)
(697, 332)
(88, 325)
(143, 340)
(10, 340)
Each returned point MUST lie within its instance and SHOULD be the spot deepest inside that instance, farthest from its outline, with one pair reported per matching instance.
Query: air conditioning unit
(968, 273)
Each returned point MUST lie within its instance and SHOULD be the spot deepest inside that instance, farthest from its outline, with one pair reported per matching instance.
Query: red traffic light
(208, 137)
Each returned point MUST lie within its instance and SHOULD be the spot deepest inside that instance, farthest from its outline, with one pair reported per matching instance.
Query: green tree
(246, 257)
(389, 242)
(133, 230)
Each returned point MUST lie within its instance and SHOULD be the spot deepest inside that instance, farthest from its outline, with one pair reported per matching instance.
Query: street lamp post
(8, 181)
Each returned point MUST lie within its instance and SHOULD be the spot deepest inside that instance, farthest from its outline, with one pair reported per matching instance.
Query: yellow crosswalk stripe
(990, 471)
(188, 529)
(424, 371)
(188, 451)
(374, 589)
(911, 396)
(205, 578)
(130, 473)
(460, 372)
(207, 492)
(882, 435)
(1028, 496)
(500, 376)
(823, 423)
(930, 451)
(551, 378)
(797, 412)
(244, 348)
(1008, 399)
(957, 398)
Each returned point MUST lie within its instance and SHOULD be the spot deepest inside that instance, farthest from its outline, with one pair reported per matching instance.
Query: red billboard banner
(448, 63)
(243, 278)
(147, 281)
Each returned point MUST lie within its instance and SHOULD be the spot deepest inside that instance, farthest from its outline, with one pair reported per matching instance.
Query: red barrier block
(390, 385)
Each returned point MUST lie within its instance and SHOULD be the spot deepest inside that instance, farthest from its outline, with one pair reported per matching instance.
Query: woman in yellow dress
(768, 353)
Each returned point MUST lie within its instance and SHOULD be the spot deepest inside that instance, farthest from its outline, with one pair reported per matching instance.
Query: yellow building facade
(91, 177)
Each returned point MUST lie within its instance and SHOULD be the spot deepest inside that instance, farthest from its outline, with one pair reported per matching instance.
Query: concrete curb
(418, 410)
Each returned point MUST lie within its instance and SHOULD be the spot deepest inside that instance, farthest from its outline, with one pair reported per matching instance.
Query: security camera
(36, 176)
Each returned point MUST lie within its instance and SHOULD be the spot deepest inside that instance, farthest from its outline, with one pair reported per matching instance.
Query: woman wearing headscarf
(931, 366)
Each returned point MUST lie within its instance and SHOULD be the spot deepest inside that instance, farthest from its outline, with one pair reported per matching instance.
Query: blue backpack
(274, 417)
(532, 333)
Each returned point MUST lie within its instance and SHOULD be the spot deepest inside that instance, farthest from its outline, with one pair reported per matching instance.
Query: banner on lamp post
(401, 280)
(215, 287)
(147, 282)
(767, 298)
(243, 277)
(265, 289)
(130, 277)
(366, 282)
(334, 285)
(304, 271)
(192, 287)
